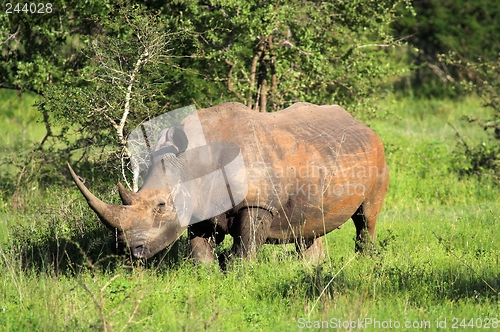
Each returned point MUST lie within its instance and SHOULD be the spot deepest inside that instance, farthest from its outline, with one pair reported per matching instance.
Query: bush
(468, 28)
(481, 157)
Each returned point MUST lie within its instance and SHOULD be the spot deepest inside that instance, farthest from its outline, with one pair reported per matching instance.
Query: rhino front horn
(109, 214)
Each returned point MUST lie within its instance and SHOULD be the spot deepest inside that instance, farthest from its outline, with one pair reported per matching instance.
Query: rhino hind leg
(365, 219)
(311, 249)
(366, 215)
(365, 230)
(250, 232)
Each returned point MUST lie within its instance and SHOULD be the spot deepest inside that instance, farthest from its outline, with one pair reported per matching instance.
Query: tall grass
(437, 254)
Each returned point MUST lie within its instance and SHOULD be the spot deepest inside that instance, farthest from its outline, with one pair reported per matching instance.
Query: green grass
(18, 118)
(437, 255)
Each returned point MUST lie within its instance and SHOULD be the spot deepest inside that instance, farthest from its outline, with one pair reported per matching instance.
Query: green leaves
(104, 67)
(470, 28)
(38, 50)
(483, 157)
(296, 50)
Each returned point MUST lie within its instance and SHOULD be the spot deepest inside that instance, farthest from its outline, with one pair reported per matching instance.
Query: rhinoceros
(306, 170)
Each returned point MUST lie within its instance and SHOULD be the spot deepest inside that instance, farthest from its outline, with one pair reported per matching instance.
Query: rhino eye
(160, 208)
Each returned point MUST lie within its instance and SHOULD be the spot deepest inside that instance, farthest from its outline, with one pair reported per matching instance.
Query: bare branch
(257, 100)
(113, 123)
(459, 136)
(440, 73)
(140, 62)
(48, 129)
(263, 95)
(127, 153)
(394, 42)
(12, 36)
(374, 45)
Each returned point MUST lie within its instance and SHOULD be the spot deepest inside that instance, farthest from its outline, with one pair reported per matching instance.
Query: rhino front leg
(250, 231)
(203, 238)
(202, 250)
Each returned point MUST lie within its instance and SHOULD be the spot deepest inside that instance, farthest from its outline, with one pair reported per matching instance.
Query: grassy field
(436, 264)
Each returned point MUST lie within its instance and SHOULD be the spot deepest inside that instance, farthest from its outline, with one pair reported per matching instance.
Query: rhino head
(147, 221)
(183, 186)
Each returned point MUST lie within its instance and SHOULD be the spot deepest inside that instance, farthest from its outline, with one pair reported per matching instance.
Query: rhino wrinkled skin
(307, 170)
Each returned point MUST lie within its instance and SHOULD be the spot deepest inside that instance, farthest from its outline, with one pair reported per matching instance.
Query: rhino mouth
(140, 252)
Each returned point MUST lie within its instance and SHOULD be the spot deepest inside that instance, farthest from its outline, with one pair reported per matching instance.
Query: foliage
(481, 157)
(108, 78)
(125, 84)
(469, 28)
(44, 49)
(270, 54)
(455, 48)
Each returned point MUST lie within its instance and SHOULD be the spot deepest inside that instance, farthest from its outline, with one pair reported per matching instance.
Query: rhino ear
(178, 137)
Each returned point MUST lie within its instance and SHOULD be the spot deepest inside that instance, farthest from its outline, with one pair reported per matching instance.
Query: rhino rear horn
(126, 195)
(109, 214)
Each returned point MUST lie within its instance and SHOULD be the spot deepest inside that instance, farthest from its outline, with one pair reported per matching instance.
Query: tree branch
(262, 81)
(113, 123)
(12, 36)
(439, 72)
(230, 87)
(459, 136)
(263, 95)
(48, 129)
(128, 97)
(394, 42)
(253, 71)
(274, 81)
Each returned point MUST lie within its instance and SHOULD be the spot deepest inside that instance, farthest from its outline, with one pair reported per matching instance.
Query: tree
(270, 54)
(102, 68)
(111, 80)
(126, 83)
